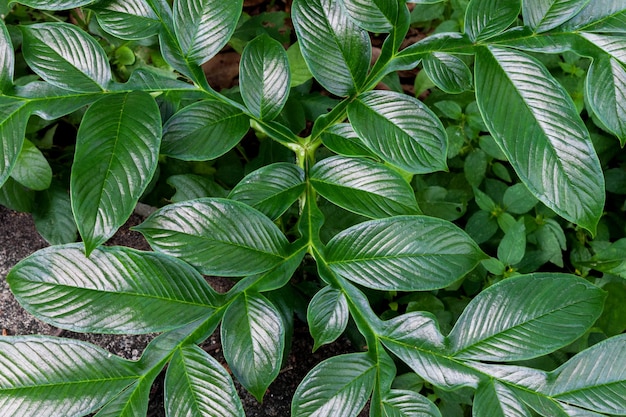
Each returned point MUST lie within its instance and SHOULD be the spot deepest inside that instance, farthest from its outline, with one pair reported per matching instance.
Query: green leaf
(342, 139)
(611, 259)
(363, 187)
(31, 168)
(337, 51)
(48, 376)
(196, 385)
(191, 187)
(487, 18)
(131, 402)
(117, 151)
(401, 130)
(253, 337)
(518, 200)
(55, 4)
(203, 27)
(494, 399)
(297, 65)
(593, 379)
(204, 131)
(327, 316)
(613, 45)
(404, 253)
(16, 197)
(525, 317)
(264, 77)
(66, 57)
(613, 318)
(547, 143)
(598, 16)
(115, 290)
(377, 16)
(154, 79)
(14, 115)
(53, 216)
(543, 15)
(448, 72)
(405, 403)
(214, 235)
(606, 94)
(475, 167)
(7, 59)
(512, 247)
(51, 102)
(127, 19)
(339, 386)
(271, 189)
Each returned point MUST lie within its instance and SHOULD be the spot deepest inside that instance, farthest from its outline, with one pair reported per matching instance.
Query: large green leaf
(612, 45)
(47, 376)
(336, 50)
(203, 131)
(131, 402)
(127, 19)
(117, 151)
(51, 102)
(525, 317)
(115, 290)
(487, 18)
(215, 235)
(196, 385)
(327, 316)
(598, 16)
(338, 387)
(65, 56)
(31, 168)
(15, 196)
(546, 142)
(405, 403)
(203, 27)
(191, 187)
(7, 59)
(55, 4)
(264, 77)
(53, 216)
(606, 94)
(496, 400)
(404, 253)
(595, 378)
(253, 337)
(342, 139)
(448, 72)
(363, 186)
(14, 114)
(401, 130)
(373, 15)
(543, 15)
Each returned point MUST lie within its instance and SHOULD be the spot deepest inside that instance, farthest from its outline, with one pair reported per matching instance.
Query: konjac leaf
(53, 216)
(31, 168)
(48, 376)
(487, 18)
(401, 130)
(335, 48)
(203, 131)
(404, 253)
(543, 15)
(547, 143)
(327, 316)
(448, 72)
(14, 115)
(495, 399)
(525, 317)
(339, 386)
(127, 19)
(7, 59)
(264, 77)
(196, 385)
(215, 235)
(606, 94)
(65, 56)
(253, 337)
(114, 290)
(377, 16)
(363, 186)
(116, 155)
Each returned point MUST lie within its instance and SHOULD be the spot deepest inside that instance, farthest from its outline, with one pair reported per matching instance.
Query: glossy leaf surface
(191, 187)
(7, 59)
(487, 18)
(53, 216)
(373, 15)
(448, 72)
(131, 402)
(598, 15)
(543, 15)
(494, 399)
(31, 168)
(342, 139)
(606, 93)
(327, 316)
(127, 19)
(55, 4)
(405, 403)
(14, 115)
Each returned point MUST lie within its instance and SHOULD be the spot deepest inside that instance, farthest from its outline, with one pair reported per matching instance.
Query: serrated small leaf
(53, 216)
(192, 187)
(606, 94)
(404, 253)
(127, 19)
(405, 403)
(401, 130)
(487, 18)
(378, 16)
(14, 114)
(7, 59)
(544, 15)
(448, 72)
(327, 316)
(31, 168)
(494, 399)
(204, 131)
(65, 56)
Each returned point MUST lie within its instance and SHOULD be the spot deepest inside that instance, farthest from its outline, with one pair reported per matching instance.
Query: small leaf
(405, 403)
(55, 4)
(66, 57)
(496, 400)
(512, 247)
(404, 253)
(203, 131)
(31, 168)
(339, 386)
(253, 337)
(127, 19)
(377, 16)
(327, 316)
(14, 115)
(53, 216)
(487, 18)
(342, 139)
(525, 317)
(543, 15)
(7, 59)
(611, 259)
(518, 200)
(448, 72)
(606, 94)
(401, 130)
(337, 51)
(264, 77)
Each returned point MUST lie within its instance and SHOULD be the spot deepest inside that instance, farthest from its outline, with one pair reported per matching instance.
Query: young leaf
(495, 399)
(339, 386)
(327, 316)
(264, 77)
(487, 18)
(65, 56)
(47, 376)
(547, 143)
(253, 337)
(215, 235)
(512, 247)
(14, 114)
(377, 16)
(116, 155)
(115, 290)
(448, 72)
(196, 385)
(7, 59)
(342, 139)
(55, 4)
(203, 131)
(525, 317)
(606, 94)
(401, 130)
(53, 216)
(404, 253)
(31, 168)
(337, 51)
(127, 19)
(405, 403)
(543, 15)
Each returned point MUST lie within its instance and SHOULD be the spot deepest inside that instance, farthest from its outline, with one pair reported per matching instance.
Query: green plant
(515, 161)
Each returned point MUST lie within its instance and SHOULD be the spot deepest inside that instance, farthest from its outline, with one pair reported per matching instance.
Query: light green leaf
(253, 337)
(47, 376)
(116, 156)
(448, 72)
(191, 187)
(196, 385)
(31, 168)
(214, 235)
(401, 130)
(606, 94)
(547, 143)
(377, 16)
(342, 139)
(404, 253)
(203, 131)
(512, 247)
(115, 290)
(7, 59)
(337, 51)
(297, 65)
(487, 18)
(53, 216)
(14, 114)
(327, 316)
(405, 403)
(525, 317)
(543, 15)
(598, 16)
(339, 386)
(495, 400)
(127, 19)
(66, 57)
(264, 77)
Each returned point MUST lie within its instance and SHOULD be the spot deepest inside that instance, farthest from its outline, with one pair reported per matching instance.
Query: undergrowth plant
(319, 178)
